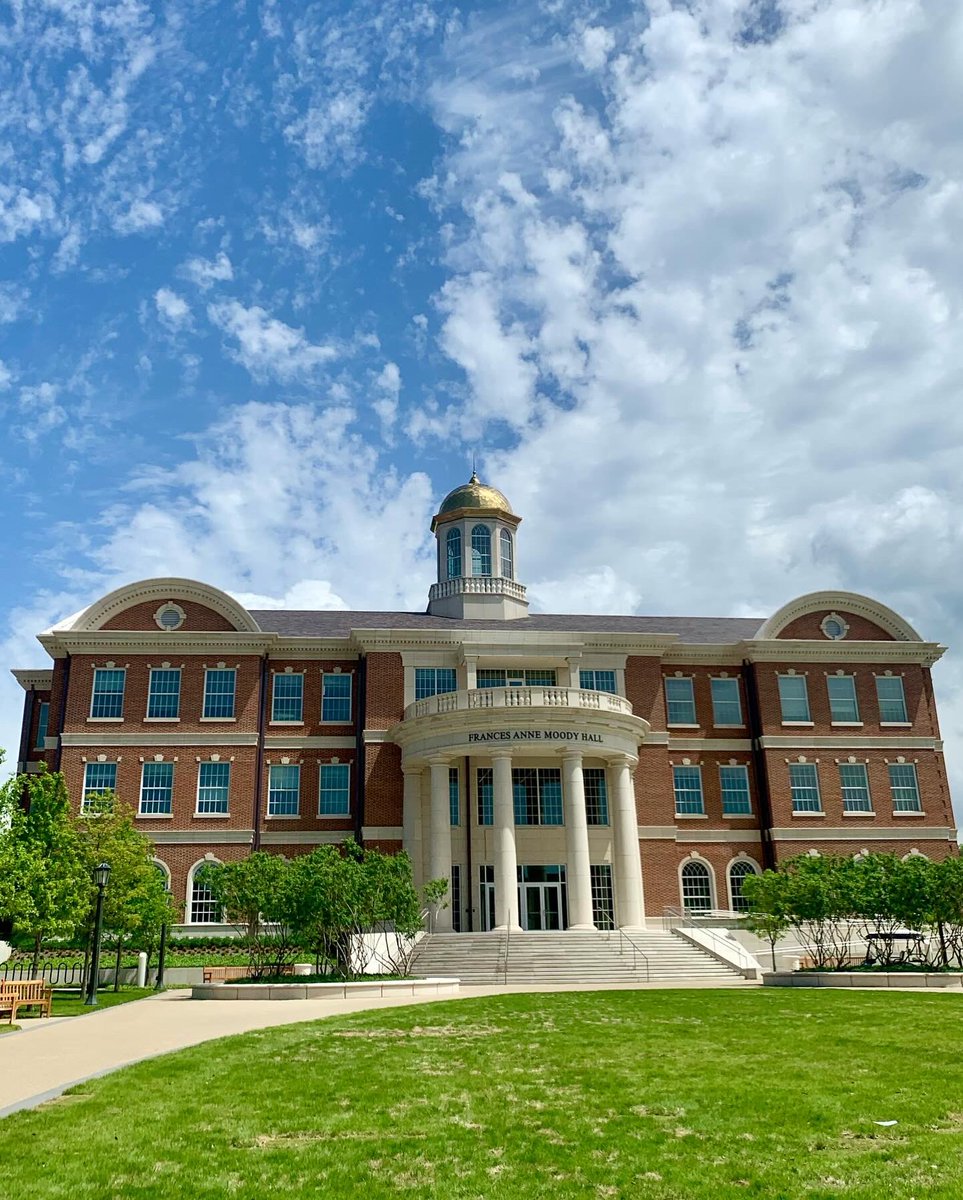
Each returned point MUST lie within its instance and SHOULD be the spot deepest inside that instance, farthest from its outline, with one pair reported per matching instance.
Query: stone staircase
(576, 956)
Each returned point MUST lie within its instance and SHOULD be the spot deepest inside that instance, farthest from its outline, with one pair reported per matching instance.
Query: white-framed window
(213, 788)
(687, 783)
(99, 777)
(603, 897)
(734, 783)
(537, 792)
(220, 687)
(156, 789)
(284, 789)
(598, 681)
(487, 677)
(794, 698)
(43, 720)
(334, 790)
(680, 701)
(804, 786)
(596, 796)
(164, 693)
(202, 908)
(696, 886)
(453, 552)
(854, 783)
(287, 701)
(456, 897)
(485, 791)
(336, 697)
(454, 797)
(481, 550)
(738, 873)
(904, 787)
(432, 681)
(726, 705)
(107, 697)
(843, 705)
(892, 699)
(507, 554)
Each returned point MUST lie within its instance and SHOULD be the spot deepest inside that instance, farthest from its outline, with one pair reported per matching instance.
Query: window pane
(486, 677)
(164, 693)
(735, 790)
(335, 798)
(596, 796)
(336, 697)
(696, 887)
(454, 805)
(156, 789)
(550, 795)
(892, 702)
(284, 790)
(98, 778)
(793, 698)
(688, 789)
(854, 782)
(726, 708)
(904, 788)
(108, 695)
(804, 784)
(737, 875)
(537, 795)
(680, 702)
(481, 550)
(540, 677)
(453, 550)
(603, 904)
(842, 698)
(456, 897)
(431, 681)
(213, 787)
(288, 698)
(204, 910)
(43, 720)
(597, 681)
(508, 563)
(486, 796)
(219, 688)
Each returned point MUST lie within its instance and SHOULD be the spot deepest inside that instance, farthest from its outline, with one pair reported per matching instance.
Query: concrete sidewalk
(48, 1056)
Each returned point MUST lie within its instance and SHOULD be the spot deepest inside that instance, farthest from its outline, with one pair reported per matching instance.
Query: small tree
(44, 881)
(766, 894)
(258, 897)
(435, 893)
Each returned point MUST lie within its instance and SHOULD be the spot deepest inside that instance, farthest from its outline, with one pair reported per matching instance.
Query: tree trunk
(35, 962)
(120, 947)
(772, 951)
(943, 945)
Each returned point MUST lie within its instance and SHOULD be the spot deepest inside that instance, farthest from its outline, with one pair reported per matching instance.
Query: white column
(440, 845)
(578, 875)
(572, 663)
(506, 860)
(471, 671)
(629, 906)
(411, 822)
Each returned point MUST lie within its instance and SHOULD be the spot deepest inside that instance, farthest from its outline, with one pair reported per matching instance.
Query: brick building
(561, 771)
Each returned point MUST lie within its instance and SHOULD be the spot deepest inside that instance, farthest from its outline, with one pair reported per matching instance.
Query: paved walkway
(48, 1056)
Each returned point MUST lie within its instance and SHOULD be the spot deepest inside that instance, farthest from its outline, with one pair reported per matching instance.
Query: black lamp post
(162, 951)
(101, 874)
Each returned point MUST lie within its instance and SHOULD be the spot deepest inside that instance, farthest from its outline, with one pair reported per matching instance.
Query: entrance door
(486, 896)
(541, 898)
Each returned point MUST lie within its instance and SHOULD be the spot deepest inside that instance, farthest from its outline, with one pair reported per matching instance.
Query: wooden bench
(24, 993)
(225, 974)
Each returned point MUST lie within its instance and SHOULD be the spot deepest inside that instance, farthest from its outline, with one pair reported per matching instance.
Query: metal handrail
(508, 946)
(636, 951)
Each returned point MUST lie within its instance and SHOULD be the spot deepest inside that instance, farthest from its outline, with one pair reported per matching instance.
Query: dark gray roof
(338, 624)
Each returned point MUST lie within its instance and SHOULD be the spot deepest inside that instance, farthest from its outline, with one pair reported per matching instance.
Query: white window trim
(722, 724)
(202, 862)
(713, 891)
(180, 680)
(207, 671)
(729, 865)
(204, 816)
(93, 686)
(349, 720)
(282, 674)
(333, 816)
(740, 816)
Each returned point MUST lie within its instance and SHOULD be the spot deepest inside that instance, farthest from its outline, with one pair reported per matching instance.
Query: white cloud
(205, 272)
(140, 216)
(173, 309)
(42, 411)
(266, 347)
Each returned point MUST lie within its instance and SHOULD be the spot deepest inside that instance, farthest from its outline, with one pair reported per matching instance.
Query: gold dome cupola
(475, 529)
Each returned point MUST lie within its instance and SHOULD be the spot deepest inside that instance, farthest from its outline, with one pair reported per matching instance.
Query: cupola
(475, 529)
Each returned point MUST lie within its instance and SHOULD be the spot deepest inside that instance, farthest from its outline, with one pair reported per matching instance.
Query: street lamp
(101, 875)
(162, 950)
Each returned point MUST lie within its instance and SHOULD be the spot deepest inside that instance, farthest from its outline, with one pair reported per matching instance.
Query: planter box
(863, 979)
(325, 991)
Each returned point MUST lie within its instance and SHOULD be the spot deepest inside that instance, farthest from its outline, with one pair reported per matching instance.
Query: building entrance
(541, 898)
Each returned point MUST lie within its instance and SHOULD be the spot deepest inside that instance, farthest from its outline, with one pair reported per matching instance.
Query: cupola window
(453, 547)
(481, 550)
(508, 562)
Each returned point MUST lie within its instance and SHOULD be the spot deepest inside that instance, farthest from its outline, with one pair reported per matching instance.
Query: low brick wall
(324, 991)
(863, 979)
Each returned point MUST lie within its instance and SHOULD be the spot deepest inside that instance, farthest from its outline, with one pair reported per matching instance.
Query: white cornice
(863, 833)
(41, 678)
(203, 837)
(924, 653)
(161, 590)
(158, 739)
(843, 741)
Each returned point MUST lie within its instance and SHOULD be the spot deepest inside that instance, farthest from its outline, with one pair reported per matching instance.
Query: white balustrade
(518, 697)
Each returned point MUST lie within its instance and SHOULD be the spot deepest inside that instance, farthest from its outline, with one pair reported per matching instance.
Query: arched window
(163, 870)
(696, 886)
(453, 548)
(202, 909)
(481, 550)
(737, 874)
(508, 561)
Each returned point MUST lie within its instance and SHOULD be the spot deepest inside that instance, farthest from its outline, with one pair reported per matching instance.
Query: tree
(136, 902)
(258, 897)
(766, 894)
(44, 880)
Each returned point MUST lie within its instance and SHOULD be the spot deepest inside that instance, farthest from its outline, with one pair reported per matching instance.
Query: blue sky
(687, 278)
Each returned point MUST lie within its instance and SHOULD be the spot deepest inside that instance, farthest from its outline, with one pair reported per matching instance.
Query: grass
(71, 1004)
(662, 1095)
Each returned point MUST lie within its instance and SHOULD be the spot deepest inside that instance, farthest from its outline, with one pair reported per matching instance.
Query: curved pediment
(165, 605)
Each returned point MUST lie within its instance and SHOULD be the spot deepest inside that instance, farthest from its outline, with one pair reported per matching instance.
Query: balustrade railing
(518, 697)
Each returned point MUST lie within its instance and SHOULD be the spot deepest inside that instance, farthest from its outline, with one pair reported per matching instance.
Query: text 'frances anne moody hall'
(562, 772)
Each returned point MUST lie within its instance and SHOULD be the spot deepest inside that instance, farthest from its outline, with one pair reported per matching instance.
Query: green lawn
(674, 1094)
(70, 1004)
